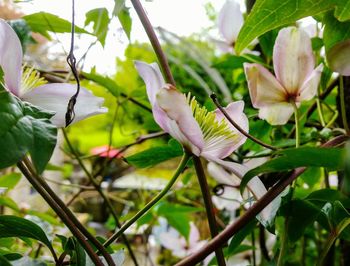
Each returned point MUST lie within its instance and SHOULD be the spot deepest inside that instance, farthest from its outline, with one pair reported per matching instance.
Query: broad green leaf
(12, 226)
(44, 136)
(118, 7)
(334, 31)
(155, 155)
(342, 12)
(43, 22)
(289, 159)
(301, 214)
(240, 236)
(177, 216)
(100, 19)
(122, 12)
(322, 196)
(125, 21)
(106, 82)
(10, 203)
(4, 261)
(267, 15)
(180, 221)
(25, 128)
(164, 208)
(12, 256)
(9, 181)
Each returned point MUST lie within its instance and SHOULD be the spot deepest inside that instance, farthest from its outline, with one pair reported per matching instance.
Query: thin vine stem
(101, 192)
(241, 130)
(68, 212)
(144, 210)
(208, 207)
(297, 124)
(53, 204)
(342, 105)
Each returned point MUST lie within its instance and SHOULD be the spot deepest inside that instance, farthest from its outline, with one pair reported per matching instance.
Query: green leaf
(122, 12)
(322, 196)
(4, 261)
(43, 22)
(331, 158)
(240, 236)
(177, 216)
(10, 203)
(12, 226)
(100, 19)
(155, 155)
(342, 12)
(301, 214)
(119, 5)
(267, 15)
(125, 20)
(9, 181)
(25, 128)
(106, 82)
(334, 31)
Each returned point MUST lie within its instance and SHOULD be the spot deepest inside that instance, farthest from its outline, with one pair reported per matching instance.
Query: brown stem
(68, 212)
(53, 204)
(232, 229)
(208, 207)
(154, 41)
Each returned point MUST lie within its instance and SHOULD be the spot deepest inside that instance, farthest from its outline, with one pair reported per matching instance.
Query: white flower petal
(293, 58)
(153, 78)
(55, 97)
(10, 57)
(309, 88)
(175, 105)
(264, 88)
(277, 114)
(230, 21)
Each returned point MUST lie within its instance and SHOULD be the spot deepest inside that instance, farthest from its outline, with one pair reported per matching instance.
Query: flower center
(212, 128)
(30, 79)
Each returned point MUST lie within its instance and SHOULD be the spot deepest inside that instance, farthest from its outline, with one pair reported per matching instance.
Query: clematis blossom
(203, 133)
(28, 86)
(296, 78)
(230, 21)
(227, 173)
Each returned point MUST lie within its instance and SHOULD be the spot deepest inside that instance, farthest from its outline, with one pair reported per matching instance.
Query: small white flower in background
(178, 245)
(230, 21)
(231, 199)
(28, 86)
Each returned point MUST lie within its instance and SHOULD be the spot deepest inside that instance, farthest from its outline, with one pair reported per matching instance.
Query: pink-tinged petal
(55, 97)
(10, 57)
(276, 114)
(293, 59)
(338, 58)
(256, 187)
(153, 78)
(173, 242)
(230, 21)
(264, 89)
(235, 111)
(224, 177)
(309, 88)
(175, 105)
(194, 235)
(223, 46)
